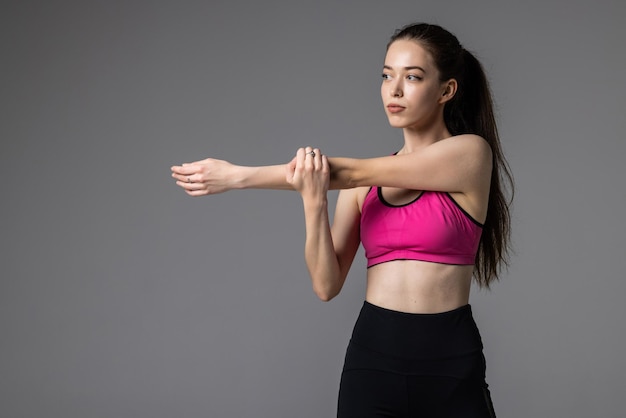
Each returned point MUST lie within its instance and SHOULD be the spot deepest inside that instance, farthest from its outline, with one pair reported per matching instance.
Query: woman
(430, 217)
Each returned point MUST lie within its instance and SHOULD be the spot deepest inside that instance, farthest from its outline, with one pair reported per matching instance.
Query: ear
(448, 90)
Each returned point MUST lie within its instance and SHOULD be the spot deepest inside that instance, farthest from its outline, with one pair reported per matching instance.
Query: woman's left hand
(309, 173)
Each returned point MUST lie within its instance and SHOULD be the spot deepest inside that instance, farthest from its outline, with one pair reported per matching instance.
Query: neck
(416, 138)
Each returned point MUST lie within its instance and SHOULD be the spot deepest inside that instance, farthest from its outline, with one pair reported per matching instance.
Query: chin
(397, 124)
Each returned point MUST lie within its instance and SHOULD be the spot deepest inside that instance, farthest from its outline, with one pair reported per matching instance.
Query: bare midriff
(419, 286)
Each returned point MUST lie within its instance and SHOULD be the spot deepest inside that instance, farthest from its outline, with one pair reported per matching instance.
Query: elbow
(326, 295)
(326, 283)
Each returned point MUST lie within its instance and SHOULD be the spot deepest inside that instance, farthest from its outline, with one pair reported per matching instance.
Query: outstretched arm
(457, 164)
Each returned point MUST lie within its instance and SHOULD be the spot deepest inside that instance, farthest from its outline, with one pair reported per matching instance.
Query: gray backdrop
(120, 296)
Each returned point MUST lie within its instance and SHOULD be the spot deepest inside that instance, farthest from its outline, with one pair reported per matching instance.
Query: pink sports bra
(433, 227)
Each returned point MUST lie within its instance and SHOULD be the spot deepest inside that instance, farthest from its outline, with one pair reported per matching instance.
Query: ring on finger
(311, 153)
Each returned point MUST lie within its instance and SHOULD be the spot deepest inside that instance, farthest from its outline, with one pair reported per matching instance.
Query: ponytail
(470, 111)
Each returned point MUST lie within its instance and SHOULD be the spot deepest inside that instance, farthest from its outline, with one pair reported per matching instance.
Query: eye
(413, 77)
(386, 76)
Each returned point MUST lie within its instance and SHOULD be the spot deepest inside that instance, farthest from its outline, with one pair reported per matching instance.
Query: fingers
(312, 158)
(183, 179)
(193, 189)
(190, 185)
(185, 169)
(185, 173)
(186, 176)
(300, 156)
(325, 165)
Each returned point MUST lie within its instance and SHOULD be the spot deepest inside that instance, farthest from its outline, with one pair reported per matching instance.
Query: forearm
(345, 173)
(319, 251)
(262, 177)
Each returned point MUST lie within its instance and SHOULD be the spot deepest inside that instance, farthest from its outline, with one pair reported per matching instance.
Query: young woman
(431, 217)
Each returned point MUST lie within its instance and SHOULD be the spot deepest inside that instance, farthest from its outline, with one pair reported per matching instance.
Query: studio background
(120, 296)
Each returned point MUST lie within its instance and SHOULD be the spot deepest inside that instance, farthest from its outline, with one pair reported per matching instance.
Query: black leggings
(414, 365)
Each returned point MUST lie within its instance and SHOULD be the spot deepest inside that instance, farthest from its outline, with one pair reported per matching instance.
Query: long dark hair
(470, 111)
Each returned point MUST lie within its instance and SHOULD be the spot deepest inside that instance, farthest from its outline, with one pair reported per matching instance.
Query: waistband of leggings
(417, 336)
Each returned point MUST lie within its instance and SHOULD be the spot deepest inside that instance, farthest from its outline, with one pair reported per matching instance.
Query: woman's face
(411, 90)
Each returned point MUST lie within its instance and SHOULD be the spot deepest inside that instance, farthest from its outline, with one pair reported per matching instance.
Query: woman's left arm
(328, 252)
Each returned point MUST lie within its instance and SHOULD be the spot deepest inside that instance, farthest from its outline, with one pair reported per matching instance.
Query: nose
(396, 90)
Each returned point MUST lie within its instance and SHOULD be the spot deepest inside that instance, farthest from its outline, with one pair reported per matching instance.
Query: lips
(395, 108)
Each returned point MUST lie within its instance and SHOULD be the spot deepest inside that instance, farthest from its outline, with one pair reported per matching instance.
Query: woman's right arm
(458, 164)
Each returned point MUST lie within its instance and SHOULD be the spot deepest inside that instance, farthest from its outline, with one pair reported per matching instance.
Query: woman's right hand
(205, 177)
(309, 174)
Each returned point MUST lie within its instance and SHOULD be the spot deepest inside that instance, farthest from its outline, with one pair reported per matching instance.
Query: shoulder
(470, 151)
(474, 144)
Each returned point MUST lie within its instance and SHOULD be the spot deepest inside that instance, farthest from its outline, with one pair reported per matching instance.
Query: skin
(431, 159)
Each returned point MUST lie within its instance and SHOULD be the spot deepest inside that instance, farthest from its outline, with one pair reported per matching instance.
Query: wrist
(243, 177)
(315, 203)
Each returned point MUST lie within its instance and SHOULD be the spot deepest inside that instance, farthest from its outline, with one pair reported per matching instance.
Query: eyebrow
(413, 67)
